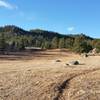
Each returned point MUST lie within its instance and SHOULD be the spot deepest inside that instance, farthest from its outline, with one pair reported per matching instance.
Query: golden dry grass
(42, 78)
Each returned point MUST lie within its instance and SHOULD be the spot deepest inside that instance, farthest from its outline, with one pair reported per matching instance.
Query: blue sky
(64, 16)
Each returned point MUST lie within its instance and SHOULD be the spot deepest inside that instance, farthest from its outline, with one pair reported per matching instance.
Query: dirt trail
(66, 83)
(44, 79)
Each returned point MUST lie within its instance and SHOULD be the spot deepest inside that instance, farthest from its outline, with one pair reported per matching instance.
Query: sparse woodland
(13, 38)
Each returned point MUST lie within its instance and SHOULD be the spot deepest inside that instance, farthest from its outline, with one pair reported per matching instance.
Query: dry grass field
(38, 76)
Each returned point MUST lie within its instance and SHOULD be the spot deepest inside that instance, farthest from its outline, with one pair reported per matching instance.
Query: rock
(73, 63)
(94, 51)
(84, 55)
(58, 60)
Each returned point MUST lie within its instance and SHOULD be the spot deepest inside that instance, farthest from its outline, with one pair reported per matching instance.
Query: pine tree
(54, 43)
(81, 45)
(62, 43)
(2, 43)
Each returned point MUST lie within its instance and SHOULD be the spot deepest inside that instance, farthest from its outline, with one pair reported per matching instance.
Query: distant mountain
(13, 38)
(14, 30)
(81, 35)
(48, 34)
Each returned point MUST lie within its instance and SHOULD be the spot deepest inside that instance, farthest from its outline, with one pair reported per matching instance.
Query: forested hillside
(13, 38)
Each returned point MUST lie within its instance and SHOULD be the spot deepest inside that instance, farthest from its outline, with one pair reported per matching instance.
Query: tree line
(13, 38)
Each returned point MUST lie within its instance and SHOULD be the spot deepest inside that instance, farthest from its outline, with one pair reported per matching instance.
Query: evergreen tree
(54, 43)
(80, 45)
(62, 43)
(69, 43)
(3, 43)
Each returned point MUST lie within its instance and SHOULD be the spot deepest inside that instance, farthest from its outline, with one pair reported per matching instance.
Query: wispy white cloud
(7, 5)
(70, 28)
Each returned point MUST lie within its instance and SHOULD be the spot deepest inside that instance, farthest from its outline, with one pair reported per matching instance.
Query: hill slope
(15, 38)
(14, 30)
